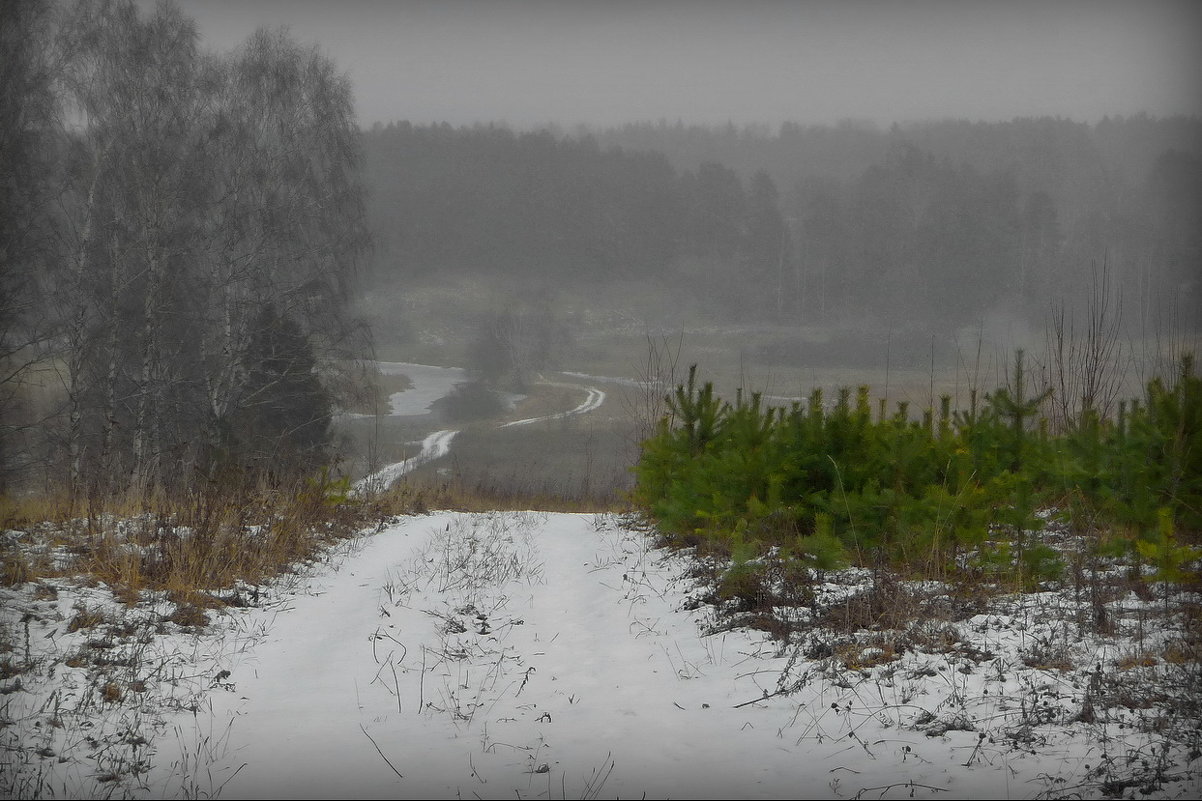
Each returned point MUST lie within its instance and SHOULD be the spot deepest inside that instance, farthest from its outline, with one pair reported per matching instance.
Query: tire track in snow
(594, 400)
(438, 444)
(434, 446)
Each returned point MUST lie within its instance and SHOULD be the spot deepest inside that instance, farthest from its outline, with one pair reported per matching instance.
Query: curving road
(430, 384)
(594, 400)
(434, 446)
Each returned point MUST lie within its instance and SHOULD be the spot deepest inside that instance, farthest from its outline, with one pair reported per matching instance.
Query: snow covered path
(523, 655)
(593, 401)
(503, 655)
(434, 446)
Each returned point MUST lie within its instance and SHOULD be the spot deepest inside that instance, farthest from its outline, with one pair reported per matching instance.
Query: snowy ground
(529, 655)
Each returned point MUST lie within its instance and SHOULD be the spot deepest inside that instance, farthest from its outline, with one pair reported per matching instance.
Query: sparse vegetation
(207, 543)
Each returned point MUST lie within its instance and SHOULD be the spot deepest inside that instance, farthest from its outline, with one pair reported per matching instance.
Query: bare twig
(381, 753)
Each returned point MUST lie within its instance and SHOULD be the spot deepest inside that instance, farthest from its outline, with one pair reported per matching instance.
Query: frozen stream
(429, 383)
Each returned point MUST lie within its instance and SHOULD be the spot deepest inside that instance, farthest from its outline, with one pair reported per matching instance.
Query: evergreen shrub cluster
(959, 491)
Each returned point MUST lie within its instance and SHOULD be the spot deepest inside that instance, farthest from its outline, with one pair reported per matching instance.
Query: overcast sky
(530, 62)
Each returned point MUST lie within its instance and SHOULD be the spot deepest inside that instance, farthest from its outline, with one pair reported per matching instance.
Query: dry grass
(573, 464)
(19, 512)
(422, 493)
(187, 547)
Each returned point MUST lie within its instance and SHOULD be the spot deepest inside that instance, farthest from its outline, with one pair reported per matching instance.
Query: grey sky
(529, 62)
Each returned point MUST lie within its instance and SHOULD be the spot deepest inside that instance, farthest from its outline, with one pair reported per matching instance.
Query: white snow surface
(531, 655)
(434, 446)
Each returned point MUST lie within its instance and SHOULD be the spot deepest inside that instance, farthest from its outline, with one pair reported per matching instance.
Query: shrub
(281, 422)
(470, 400)
(828, 484)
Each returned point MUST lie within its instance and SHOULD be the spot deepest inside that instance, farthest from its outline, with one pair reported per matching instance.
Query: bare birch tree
(289, 232)
(198, 192)
(27, 114)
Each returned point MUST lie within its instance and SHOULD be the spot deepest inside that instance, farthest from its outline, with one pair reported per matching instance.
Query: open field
(637, 342)
(580, 461)
(610, 328)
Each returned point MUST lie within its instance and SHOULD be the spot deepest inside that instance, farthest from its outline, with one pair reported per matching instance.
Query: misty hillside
(928, 227)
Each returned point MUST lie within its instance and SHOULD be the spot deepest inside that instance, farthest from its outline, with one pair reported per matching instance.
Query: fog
(532, 62)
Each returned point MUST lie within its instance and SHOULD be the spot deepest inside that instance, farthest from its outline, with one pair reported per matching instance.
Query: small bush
(472, 400)
(112, 693)
(86, 618)
(744, 584)
(189, 616)
(14, 570)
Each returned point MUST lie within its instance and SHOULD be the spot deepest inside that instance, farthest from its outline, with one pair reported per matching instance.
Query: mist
(532, 63)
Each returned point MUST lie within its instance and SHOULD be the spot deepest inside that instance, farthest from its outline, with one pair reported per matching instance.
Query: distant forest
(939, 222)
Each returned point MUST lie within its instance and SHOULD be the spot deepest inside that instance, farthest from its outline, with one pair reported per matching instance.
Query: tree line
(181, 231)
(538, 205)
(938, 221)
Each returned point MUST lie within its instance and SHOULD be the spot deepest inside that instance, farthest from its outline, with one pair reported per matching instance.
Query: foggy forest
(939, 349)
(193, 252)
